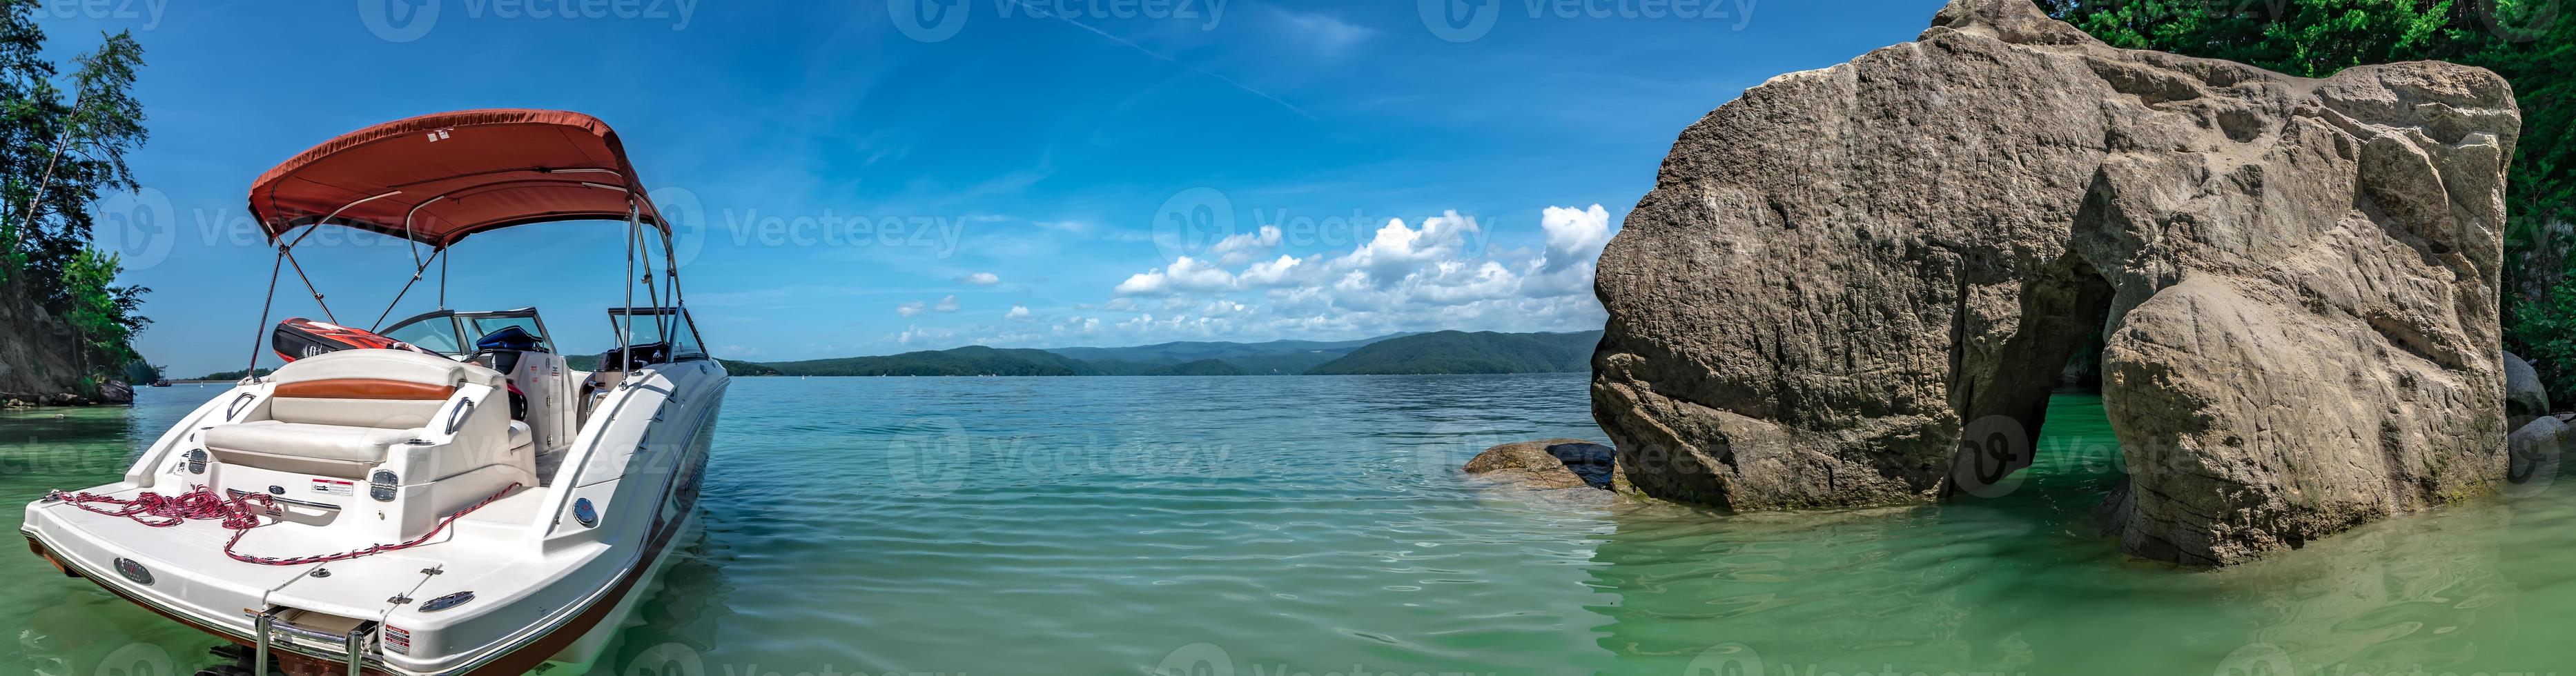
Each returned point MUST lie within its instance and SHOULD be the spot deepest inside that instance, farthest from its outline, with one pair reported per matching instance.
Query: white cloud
(1017, 313)
(1437, 275)
(911, 308)
(1273, 273)
(1574, 236)
(1186, 275)
(981, 279)
(1240, 247)
(947, 304)
(1397, 250)
(1327, 35)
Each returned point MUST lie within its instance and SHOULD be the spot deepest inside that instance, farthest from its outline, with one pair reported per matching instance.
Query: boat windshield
(435, 332)
(455, 333)
(650, 324)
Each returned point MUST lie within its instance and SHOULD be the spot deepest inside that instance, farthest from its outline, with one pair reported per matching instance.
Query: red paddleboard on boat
(299, 338)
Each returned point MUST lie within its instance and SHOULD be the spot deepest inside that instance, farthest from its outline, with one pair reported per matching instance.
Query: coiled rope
(240, 513)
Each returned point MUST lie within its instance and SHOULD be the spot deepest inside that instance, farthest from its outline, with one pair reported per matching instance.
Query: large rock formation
(38, 362)
(1857, 285)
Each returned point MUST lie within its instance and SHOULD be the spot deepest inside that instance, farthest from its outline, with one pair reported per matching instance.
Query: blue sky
(864, 178)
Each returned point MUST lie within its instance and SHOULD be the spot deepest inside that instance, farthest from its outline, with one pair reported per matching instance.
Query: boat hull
(672, 449)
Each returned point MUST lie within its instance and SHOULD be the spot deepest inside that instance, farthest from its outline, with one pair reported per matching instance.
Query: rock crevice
(1857, 285)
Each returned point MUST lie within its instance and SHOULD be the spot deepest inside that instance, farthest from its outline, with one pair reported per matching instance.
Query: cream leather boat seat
(335, 414)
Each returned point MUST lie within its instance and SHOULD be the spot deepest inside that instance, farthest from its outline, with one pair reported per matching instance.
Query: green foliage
(1460, 352)
(2545, 330)
(99, 312)
(57, 159)
(233, 375)
(140, 372)
(965, 361)
(2531, 43)
(744, 368)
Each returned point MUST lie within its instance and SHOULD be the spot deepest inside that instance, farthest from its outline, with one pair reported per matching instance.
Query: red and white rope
(240, 513)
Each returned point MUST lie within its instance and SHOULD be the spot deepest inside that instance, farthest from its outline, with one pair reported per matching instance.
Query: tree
(57, 160)
(60, 158)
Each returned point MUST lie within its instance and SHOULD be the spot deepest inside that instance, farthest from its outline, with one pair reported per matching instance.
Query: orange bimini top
(437, 179)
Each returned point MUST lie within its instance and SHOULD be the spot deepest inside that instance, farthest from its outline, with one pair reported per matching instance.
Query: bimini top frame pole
(437, 179)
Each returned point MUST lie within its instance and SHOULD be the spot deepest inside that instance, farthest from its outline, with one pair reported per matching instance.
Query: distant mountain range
(1459, 352)
(1397, 354)
(1422, 353)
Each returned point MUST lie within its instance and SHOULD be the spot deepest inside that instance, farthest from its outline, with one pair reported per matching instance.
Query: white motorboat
(449, 496)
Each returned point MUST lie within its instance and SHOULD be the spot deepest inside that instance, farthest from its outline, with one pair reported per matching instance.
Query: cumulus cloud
(981, 279)
(1433, 275)
(1186, 274)
(1017, 313)
(1240, 247)
(911, 308)
(1574, 236)
(946, 304)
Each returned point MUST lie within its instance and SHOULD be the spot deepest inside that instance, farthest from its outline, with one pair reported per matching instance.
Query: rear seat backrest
(385, 389)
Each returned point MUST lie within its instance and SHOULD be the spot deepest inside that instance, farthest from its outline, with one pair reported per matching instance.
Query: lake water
(1317, 525)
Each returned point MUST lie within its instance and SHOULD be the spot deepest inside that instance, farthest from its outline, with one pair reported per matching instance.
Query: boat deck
(188, 566)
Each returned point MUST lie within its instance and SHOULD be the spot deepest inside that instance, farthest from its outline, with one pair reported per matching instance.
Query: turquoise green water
(1317, 525)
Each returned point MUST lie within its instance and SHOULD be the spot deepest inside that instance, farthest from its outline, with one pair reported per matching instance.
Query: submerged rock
(2523, 395)
(2537, 448)
(1858, 285)
(1550, 464)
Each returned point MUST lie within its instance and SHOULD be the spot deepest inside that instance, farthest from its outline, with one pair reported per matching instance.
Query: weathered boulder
(2537, 447)
(1550, 464)
(1857, 285)
(39, 360)
(2524, 397)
